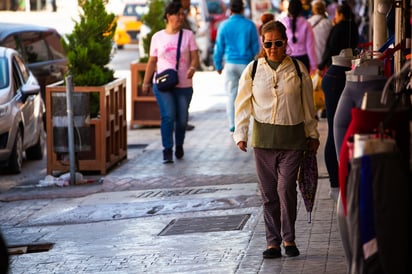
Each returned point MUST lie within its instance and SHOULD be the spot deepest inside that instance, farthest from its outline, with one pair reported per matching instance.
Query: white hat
(344, 59)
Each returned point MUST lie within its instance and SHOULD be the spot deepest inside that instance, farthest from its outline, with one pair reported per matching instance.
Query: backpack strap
(255, 63)
(297, 68)
(254, 67)
(300, 76)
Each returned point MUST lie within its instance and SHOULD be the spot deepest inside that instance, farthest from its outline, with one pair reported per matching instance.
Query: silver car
(21, 113)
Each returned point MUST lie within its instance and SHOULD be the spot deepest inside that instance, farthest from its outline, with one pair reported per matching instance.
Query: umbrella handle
(309, 217)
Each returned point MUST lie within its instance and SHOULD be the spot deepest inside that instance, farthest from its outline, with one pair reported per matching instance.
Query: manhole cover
(205, 224)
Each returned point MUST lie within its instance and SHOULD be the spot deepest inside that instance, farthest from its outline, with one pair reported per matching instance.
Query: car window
(4, 73)
(135, 10)
(10, 42)
(17, 77)
(54, 41)
(35, 47)
(24, 72)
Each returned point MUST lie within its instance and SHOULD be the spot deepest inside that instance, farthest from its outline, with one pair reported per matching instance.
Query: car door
(25, 103)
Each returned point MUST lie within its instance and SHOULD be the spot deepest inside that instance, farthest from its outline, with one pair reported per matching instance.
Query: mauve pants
(277, 172)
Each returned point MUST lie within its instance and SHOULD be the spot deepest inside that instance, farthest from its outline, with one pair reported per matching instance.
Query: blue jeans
(333, 83)
(174, 106)
(232, 73)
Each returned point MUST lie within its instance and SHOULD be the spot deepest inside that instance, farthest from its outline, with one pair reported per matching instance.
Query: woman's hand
(146, 88)
(190, 72)
(242, 145)
(313, 144)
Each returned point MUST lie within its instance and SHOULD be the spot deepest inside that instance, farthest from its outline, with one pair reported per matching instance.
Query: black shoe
(167, 156)
(323, 113)
(179, 152)
(189, 127)
(291, 251)
(272, 253)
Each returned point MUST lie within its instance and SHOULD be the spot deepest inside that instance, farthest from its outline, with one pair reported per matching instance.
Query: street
(201, 214)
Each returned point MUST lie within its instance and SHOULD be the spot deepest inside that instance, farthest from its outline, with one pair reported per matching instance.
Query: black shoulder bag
(168, 79)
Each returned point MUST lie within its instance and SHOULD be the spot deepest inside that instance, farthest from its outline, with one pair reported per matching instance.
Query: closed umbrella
(308, 180)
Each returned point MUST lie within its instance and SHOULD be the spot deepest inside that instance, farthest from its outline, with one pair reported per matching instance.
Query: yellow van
(129, 23)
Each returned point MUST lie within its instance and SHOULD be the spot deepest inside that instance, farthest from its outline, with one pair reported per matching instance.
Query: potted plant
(154, 21)
(88, 49)
(144, 107)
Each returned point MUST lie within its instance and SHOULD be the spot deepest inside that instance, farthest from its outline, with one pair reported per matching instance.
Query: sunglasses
(278, 44)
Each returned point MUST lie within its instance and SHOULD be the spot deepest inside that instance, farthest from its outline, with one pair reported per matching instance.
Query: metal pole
(70, 130)
(379, 24)
(399, 33)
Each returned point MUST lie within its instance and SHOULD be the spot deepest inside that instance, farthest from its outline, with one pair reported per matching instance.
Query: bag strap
(178, 48)
(317, 22)
(254, 67)
(300, 77)
(297, 69)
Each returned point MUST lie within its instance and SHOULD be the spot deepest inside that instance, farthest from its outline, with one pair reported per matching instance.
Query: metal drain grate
(29, 248)
(136, 146)
(205, 224)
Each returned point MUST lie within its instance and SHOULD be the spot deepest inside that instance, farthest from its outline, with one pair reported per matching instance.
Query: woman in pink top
(174, 103)
(300, 36)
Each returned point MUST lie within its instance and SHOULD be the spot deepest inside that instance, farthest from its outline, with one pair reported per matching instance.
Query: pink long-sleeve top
(305, 44)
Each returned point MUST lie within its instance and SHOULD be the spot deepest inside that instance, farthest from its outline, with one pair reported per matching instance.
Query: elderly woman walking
(279, 98)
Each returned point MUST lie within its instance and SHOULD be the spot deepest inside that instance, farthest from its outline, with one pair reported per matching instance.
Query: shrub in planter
(89, 47)
(155, 22)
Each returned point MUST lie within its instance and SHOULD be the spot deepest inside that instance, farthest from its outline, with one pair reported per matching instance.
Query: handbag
(168, 79)
(318, 94)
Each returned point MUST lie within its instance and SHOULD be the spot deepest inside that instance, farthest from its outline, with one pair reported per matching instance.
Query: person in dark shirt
(344, 34)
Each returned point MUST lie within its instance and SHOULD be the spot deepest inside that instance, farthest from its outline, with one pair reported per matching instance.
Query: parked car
(129, 23)
(21, 113)
(40, 48)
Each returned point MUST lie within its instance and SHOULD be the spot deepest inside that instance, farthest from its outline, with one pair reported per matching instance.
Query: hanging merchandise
(376, 192)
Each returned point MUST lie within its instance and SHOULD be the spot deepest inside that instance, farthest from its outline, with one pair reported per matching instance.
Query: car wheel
(120, 46)
(36, 152)
(16, 157)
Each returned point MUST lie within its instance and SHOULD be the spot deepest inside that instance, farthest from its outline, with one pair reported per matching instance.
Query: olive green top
(272, 136)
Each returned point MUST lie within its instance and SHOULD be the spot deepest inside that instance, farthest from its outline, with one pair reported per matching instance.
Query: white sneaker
(334, 193)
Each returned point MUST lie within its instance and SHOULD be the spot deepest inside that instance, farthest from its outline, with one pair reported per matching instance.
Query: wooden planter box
(107, 136)
(145, 111)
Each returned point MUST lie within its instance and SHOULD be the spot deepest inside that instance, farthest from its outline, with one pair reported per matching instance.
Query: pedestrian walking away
(173, 103)
(344, 34)
(301, 39)
(237, 43)
(279, 98)
(321, 26)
